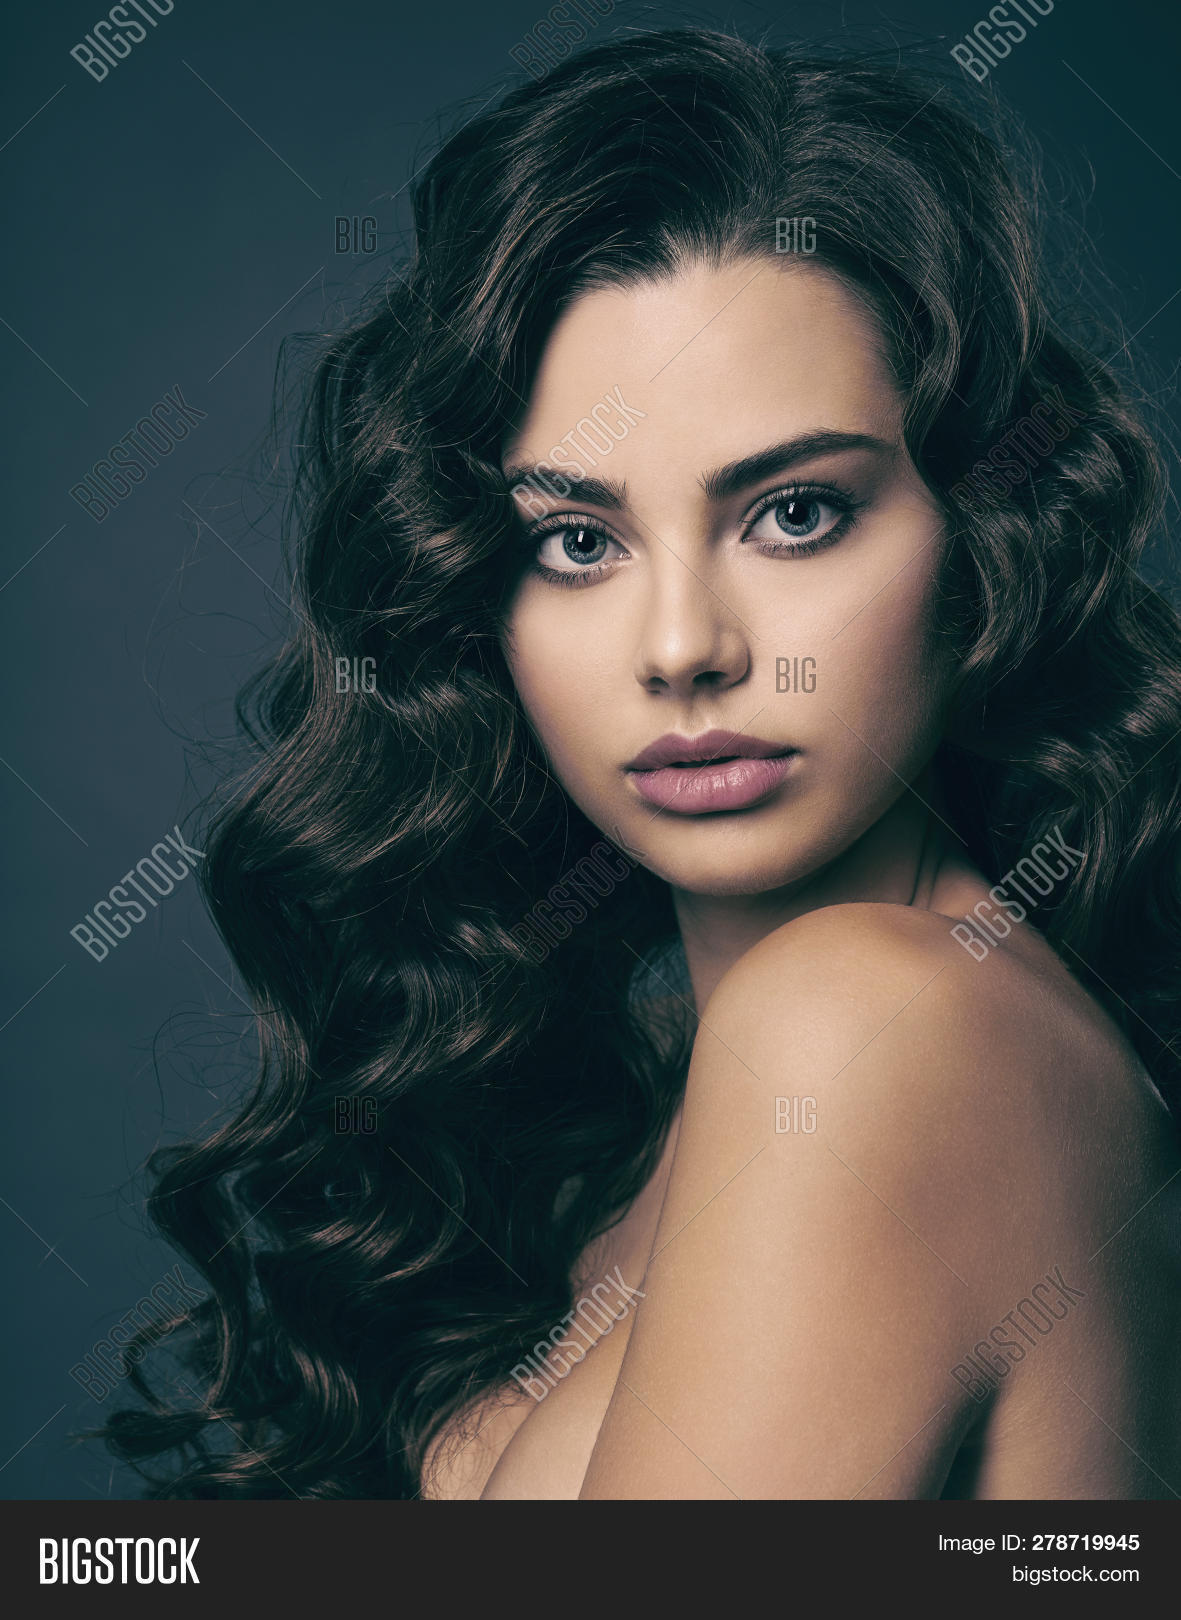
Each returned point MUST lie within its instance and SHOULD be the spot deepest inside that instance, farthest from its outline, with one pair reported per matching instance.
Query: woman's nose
(691, 640)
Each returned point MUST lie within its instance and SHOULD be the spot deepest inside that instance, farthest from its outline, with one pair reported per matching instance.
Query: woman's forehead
(709, 362)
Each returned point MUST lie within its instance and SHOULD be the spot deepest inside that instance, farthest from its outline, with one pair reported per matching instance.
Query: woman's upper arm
(819, 1270)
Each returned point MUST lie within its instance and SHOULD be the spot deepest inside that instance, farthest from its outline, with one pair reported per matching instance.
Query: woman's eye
(796, 517)
(569, 550)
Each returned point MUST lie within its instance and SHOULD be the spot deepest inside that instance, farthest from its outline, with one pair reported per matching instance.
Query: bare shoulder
(949, 1069)
(852, 969)
(855, 970)
(829, 941)
(883, 1141)
(840, 952)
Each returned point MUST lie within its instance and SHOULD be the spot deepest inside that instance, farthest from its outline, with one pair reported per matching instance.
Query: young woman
(717, 968)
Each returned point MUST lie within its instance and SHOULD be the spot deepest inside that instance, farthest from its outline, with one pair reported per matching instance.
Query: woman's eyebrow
(718, 485)
(584, 491)
(735, 476)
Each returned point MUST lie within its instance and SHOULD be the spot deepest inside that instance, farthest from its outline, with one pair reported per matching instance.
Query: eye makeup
(797, 510)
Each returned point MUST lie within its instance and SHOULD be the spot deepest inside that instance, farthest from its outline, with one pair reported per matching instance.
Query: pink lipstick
(716, 772)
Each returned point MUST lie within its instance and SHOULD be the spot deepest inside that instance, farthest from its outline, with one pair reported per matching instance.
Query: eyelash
(840, 499)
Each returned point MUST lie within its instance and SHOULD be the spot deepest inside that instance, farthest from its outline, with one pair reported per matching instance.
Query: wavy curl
(368, 873)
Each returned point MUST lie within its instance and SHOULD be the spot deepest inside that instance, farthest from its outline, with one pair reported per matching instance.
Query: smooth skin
(970, 1126)
(683, 629)
(802, 1320)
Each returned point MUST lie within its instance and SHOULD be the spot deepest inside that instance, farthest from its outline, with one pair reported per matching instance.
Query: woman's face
(747, 570)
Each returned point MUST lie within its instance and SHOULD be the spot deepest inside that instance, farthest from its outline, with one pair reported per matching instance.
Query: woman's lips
(713, 785)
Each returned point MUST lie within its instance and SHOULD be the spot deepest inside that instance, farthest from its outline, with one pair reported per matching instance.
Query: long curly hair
(374, 872)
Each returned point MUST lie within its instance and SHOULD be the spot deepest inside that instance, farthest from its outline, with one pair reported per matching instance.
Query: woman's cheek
(888, 672)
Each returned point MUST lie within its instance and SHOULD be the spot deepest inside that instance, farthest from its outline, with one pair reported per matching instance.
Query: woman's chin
(728, 873)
